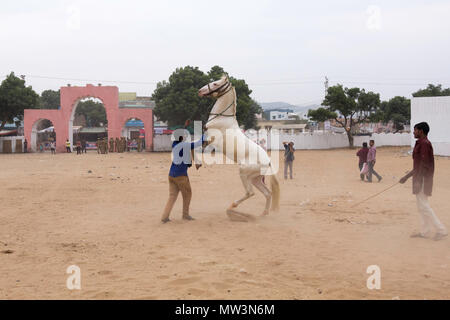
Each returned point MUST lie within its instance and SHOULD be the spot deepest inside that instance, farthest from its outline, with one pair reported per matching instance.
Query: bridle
(228, 87)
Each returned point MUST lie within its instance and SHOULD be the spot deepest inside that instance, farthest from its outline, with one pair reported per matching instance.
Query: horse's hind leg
(259, 184)
(240, 216)
(249, 191)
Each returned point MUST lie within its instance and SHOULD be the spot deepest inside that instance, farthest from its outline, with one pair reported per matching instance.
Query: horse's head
(215, 88)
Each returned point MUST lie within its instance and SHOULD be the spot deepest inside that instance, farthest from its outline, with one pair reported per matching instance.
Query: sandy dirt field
(54, 213)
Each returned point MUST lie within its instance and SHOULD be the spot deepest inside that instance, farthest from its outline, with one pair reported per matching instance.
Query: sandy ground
(54, 213)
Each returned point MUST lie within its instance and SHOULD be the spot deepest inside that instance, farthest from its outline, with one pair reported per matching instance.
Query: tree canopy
(93, 111)
(397, 110)
(348, 107)
(50, 99)
(432, 91)
(177, 99)
(15, 97)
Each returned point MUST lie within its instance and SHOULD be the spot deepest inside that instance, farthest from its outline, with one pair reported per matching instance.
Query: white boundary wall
(314, 141)
(318, 140)
(162, 142)
(436, 112)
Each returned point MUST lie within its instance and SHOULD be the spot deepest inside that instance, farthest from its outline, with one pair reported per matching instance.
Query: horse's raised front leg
(259, 184)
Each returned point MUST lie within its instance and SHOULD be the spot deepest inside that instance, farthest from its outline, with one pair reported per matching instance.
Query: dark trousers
(372, 171)
(68, 149)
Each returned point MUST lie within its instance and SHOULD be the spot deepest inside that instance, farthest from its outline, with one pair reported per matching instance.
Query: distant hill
(285, 105)
(276, 105)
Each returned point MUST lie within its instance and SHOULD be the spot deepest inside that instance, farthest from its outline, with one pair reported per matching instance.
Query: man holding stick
(422, 174)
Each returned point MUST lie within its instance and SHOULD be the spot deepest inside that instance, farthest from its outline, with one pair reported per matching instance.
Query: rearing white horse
(251, 167)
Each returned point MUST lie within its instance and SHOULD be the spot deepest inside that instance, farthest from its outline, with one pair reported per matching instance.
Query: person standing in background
(53, 147)
(288, 158)
(78, 147)
(68, 149)
(83, 146)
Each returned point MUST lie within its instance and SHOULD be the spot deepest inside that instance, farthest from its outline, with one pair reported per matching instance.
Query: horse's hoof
(233, 205)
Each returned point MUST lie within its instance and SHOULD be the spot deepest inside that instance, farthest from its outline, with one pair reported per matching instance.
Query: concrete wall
(162, 142)
(13, 143)
(309, 141)
(317, 141)
(436, 112)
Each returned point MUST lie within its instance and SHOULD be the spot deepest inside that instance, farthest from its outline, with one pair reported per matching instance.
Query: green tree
(432, 91)
(397, 110)
(321, 114)
(177, 99)
(15, 97)
(50, 99)
(93, 111)
(348, 107)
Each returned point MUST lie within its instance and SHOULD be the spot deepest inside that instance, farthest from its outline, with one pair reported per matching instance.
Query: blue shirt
(182, 162)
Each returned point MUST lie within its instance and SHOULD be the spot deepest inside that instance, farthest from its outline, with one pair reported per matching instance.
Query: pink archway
(62, 119)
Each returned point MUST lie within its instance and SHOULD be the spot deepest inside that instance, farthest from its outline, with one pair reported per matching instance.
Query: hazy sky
(283, 49)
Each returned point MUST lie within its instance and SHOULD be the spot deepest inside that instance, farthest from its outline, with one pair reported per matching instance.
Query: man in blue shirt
(178, 177)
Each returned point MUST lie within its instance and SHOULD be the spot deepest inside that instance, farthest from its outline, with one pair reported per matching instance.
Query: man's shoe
(439, 236)
(165, 220)
(189, 218)
(380, 179)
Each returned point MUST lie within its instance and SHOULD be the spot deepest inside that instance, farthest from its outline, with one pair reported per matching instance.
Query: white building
(278, 115)
(436, 112)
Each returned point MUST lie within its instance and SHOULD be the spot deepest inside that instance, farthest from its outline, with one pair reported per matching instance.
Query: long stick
(375, 195)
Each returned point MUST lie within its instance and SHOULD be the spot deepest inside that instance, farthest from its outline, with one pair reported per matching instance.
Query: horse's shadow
(237, 216)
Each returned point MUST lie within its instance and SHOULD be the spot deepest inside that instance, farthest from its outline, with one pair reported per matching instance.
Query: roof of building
(278, 122)
(290, 126)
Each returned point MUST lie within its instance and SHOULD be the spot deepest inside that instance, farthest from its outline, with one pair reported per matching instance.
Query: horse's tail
(275, 186)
